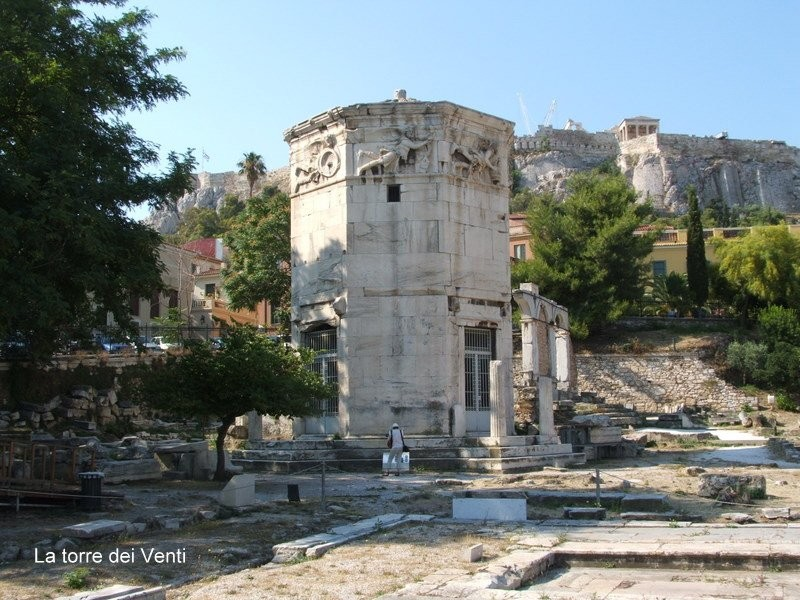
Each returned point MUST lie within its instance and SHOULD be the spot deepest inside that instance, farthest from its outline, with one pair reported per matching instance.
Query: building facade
(400, 269)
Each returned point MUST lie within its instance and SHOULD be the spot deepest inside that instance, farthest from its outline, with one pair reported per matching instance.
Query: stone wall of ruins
(656, 383)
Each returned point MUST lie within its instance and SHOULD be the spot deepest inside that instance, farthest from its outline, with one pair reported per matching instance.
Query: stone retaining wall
(657, 383)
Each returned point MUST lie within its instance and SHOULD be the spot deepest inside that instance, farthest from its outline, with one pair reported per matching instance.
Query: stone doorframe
(545, 352)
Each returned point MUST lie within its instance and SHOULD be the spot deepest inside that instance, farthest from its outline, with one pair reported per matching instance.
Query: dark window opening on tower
(393, 193)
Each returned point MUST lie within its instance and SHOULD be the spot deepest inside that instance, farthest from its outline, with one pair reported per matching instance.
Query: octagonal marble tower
(400, 266)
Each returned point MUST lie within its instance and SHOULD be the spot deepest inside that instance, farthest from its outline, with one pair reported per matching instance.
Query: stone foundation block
(490, 509)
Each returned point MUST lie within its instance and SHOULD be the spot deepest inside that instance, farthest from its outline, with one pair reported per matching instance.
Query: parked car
(14, 348)
(145, 345)
(165, 345)
(114, 346)
(216, 342)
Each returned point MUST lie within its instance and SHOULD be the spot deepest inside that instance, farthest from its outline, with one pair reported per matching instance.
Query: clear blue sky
(254, 68)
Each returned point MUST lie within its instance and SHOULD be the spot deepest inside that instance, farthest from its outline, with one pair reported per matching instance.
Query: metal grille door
(477, 356)
(325, 364)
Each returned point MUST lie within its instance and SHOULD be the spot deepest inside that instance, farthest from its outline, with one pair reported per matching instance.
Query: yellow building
(669, 249)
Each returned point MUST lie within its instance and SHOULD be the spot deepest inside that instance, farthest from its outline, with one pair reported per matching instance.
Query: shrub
(779, 324)
(784, 402)
(780, 367)
(77, 578)
(747, 358)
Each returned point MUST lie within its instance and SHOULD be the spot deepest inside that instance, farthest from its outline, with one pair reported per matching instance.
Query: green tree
(755, 215)
(780, 367)
(586, 256)
(70, 167)
(197, 223)
(764, 265)
(516, 178)
(250, 372)
(717, 214)
(231, 208)
(259, 252)
(169, 327)
(779, 324)
(696, 264)
(522, 200)
(747, 358)
(252, 166)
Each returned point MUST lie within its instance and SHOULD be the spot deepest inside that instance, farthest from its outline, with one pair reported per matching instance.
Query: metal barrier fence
(42, 464)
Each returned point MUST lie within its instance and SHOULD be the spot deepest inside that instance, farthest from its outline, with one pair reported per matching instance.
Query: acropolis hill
(660, 166)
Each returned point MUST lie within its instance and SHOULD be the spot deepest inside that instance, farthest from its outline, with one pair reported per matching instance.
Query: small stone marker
(474, 553)
(585, 512)
(240, 491)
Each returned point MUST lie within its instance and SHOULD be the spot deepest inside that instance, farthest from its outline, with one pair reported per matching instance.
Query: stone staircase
(619, 415)
(485, 455)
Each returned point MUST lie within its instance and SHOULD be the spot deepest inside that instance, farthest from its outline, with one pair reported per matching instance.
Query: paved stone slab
(95, 529)
(643, 502)
(648, 516)
(120, 592)
(368, 525)
(490, 509)
(316, 545)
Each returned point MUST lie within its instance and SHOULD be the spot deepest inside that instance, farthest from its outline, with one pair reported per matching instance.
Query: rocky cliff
(661, 166)
(209, 191)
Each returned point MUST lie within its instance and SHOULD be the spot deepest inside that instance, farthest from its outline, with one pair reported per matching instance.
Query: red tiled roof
(205, 247)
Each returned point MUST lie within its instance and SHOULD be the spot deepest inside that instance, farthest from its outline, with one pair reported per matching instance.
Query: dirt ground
(230, 555)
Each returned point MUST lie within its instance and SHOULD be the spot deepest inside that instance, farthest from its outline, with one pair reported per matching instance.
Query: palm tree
(672, 292)
(253, 166)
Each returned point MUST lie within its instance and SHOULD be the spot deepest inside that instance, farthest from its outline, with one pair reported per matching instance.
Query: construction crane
(524, 110)
(548, 118)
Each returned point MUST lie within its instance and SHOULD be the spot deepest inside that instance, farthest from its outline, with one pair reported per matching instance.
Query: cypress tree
(696, 266)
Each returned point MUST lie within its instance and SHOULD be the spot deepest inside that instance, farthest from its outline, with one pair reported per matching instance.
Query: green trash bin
(91, 490)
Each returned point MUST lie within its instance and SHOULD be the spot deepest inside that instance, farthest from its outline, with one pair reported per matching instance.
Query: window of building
(173, 299)
(211, 289)
(519, 251)
(393, 193)
(274, 315)
(659, 268)
(323, 342)
(155, 306)
(478, 353)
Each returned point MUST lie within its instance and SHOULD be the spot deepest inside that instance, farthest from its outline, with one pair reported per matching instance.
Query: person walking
(395, 442)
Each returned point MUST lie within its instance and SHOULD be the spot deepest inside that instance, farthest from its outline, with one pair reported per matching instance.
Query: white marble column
(255, 427)
(547, 429)
(499, 423)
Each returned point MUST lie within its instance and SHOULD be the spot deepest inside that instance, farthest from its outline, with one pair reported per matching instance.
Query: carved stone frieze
(407, 153)
(321, 160)
(477, 161)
